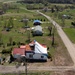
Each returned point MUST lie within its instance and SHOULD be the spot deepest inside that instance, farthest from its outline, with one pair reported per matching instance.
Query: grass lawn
(30, 73)
(67, 22)
(71, 33)
(20, 34)
(55, 16)
(43, 73)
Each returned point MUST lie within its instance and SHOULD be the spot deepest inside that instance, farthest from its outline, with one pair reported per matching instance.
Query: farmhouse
(32, 51)
(39, 52)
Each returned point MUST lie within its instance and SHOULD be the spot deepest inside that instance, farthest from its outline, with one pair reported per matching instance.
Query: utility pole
(53, 38)
(25, 66)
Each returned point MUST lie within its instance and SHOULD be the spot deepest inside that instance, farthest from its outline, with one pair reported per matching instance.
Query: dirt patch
(70, 72)
(4, 32)
(22, 30)
(59, 60)
(36, 64)
(61, 57)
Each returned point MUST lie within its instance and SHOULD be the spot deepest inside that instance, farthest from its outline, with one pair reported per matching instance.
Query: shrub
(18, 43)
(41, 19)
(4, 51)
(44, 20)
(49, 56)
(8, 44)
(73, 23)
(14, 43)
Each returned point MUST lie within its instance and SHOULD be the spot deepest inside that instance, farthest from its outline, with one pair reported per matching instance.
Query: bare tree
(5, 24)
(10, 40)
(28, 36)
(50, 30)
(53, 36)
(62, 22)
(52, 10)
(53, 39)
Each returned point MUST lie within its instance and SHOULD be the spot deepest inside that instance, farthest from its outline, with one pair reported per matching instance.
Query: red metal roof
(20, 51)
(23, 48)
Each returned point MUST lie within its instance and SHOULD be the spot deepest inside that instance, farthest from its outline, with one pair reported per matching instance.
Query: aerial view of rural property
(37, 37)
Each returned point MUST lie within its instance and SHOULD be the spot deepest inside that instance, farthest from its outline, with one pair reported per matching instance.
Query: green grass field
(20, 34)
(67, 22)
(30, 73)
(71, 33)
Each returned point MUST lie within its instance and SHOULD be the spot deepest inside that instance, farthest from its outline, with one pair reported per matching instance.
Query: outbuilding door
(30, 56)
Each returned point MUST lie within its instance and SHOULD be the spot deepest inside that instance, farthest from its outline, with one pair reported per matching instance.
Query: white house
(40, 48)
(39, 52)
(33, 51)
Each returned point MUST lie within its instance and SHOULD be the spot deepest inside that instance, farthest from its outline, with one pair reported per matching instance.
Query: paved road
(68, 44)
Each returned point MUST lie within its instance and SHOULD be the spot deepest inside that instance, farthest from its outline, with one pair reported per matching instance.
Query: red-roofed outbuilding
(19, 51)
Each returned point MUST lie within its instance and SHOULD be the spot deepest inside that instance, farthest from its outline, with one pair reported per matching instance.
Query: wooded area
(51, 1)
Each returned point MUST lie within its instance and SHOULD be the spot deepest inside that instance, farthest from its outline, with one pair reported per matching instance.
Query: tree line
(51, 1)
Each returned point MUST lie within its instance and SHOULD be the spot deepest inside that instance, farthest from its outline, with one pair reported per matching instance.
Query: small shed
(24, 20)
(7, 29)
(18, 52)
(66, 16)
(36, 22)
(37, 31)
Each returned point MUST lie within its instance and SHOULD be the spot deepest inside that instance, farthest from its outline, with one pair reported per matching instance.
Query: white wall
(36, 56)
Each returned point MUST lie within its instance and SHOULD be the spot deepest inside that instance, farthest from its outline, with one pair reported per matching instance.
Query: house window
(42, 56)
(30, 56)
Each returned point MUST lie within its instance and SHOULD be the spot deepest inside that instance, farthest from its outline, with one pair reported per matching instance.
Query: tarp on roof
(40, 49)
(37, 21)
